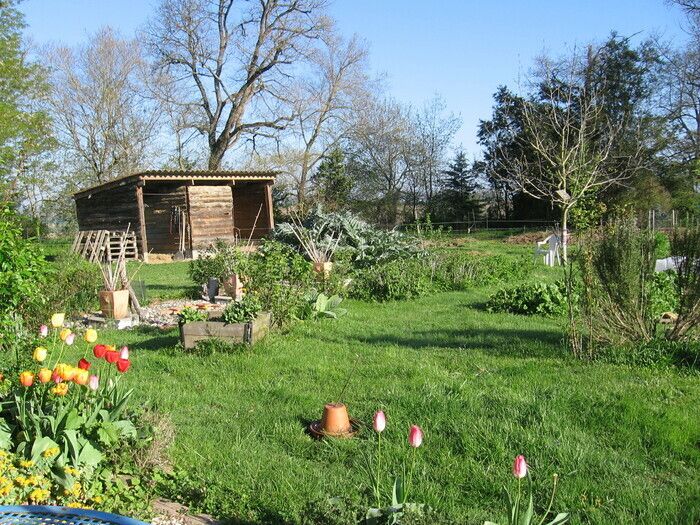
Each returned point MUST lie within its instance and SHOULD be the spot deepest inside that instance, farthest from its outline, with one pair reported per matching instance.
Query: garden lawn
(484, 387)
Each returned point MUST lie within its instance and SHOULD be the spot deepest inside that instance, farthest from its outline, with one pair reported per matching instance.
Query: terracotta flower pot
(323, 268)
(114, 304)
(335, 420)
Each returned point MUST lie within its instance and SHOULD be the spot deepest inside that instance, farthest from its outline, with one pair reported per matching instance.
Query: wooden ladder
(105, 245)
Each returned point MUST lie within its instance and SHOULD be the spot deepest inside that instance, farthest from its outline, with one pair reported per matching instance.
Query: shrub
(280, 278)
(72, 286)
(242, 311)
(662, 245)
(530, 298)
(191, 315)
(686, 245)
(393, 281)
(219, 261)
(663, 288)
(456, 270)
(23, 271)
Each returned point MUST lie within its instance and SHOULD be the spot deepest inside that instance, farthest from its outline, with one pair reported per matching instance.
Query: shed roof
(181, 175)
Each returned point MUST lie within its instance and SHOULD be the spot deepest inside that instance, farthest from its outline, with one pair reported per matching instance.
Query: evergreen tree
(458, 201)
(333, 184)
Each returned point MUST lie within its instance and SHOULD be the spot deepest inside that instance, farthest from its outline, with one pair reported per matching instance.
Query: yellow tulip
(57, 320)
(60, 389)
(64, 333)
(90, 335)
(44, 375)
(82, 377)
(40, 354)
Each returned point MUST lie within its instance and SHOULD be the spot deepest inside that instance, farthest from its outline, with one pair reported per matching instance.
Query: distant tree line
(218, 84)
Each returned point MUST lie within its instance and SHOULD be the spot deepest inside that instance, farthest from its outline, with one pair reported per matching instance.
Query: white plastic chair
(549, 250)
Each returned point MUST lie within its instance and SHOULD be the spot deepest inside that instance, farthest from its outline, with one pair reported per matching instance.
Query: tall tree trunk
(564, 233)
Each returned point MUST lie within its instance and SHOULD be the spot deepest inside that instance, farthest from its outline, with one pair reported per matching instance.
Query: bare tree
(434, 133)
(325, 100)
(235, 60)
(382, 157)
(104, 123)
(569, 139)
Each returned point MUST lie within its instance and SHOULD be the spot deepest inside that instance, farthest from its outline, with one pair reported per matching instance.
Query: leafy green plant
(529, 298)
(397, 280)
(457, 270)
(242, 311)
(191, 315)
(219, 261)
(324, 306)
(214, 345)
(280, 278)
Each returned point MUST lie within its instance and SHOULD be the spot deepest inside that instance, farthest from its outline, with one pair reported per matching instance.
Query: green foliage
(214, 345)
(658, 353)
(457, 200)
(280, 278)
(662, 245)
(364, 245)
(530, 298)
(519, 514)
(219, 261)
(457, 270)
(663, 293)
(324, 306)
(190, 314)
(23, 270)
(686, 245)
(339, 510)
(72, 286)
(242, 311)
(397, 280)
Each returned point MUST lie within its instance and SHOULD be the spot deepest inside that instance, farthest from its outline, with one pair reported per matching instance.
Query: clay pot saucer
(334, 423)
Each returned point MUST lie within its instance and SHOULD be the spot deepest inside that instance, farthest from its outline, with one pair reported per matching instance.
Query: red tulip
(520, 467)
(112, 356)
(379, 422)
(99, 351)
(123, 365)
(415, 436)
(84, 364)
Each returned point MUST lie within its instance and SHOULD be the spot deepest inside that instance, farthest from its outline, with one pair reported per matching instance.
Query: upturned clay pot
(335, 420)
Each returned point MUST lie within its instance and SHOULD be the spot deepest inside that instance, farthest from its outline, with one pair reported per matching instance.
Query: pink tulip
(520, 467)
(43, 330)
(93, 383)
(379, 422)
(415, 436)
(70, 338)
(124, 352)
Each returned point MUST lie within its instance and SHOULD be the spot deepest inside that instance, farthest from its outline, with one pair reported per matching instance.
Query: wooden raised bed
(247, 333)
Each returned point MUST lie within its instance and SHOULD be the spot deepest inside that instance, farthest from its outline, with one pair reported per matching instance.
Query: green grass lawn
(484, 387)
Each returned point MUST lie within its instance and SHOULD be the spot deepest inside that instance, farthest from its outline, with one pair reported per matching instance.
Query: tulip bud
(520, 467)
(40, 354)
(84, 364)
(415, 436)
(124, 352)
(44, 375)
(26, 378)
(70, 338)
(57, 320)
(90, 335)
(93, 383)
(379, 422)
(43, 330)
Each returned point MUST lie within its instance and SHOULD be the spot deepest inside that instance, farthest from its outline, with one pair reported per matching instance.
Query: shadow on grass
(156, 338)
(504, 342)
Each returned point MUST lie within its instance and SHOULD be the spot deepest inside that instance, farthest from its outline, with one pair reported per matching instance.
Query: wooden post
(142, 220)
(189, 218)
(268, 202)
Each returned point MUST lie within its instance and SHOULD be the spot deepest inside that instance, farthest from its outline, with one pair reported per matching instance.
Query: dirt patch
(527, 237)
(172, 513)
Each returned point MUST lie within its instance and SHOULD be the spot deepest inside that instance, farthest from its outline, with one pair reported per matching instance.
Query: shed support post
(142, 221)
(268, 205)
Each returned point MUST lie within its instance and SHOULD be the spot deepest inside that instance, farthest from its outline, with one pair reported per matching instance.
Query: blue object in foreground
(52, 515)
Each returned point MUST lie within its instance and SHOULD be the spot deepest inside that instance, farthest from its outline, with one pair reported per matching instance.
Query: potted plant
(114, 299)
(319, 251)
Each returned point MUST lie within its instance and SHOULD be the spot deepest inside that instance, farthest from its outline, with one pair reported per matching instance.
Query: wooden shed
(172, 210)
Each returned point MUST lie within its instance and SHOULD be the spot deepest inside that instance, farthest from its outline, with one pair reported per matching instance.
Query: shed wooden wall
(211, 214)
(159, 200)
(248, 199)
(114, 209)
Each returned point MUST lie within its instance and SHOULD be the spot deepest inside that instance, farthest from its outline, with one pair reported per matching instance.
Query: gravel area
(164, 315)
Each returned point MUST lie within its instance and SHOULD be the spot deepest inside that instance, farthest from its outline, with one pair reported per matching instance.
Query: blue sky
(460, 49)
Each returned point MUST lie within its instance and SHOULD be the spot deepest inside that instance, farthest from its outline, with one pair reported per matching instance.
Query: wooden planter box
(248, 333)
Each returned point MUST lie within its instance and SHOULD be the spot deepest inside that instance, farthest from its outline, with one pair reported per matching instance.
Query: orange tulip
(82, 377)
(63, 334)
(45, 375)
(26, 378)
(60, 389)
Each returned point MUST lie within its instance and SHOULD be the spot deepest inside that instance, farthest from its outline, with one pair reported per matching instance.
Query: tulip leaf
(89, 455)
(562, 517)
(40, 445)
